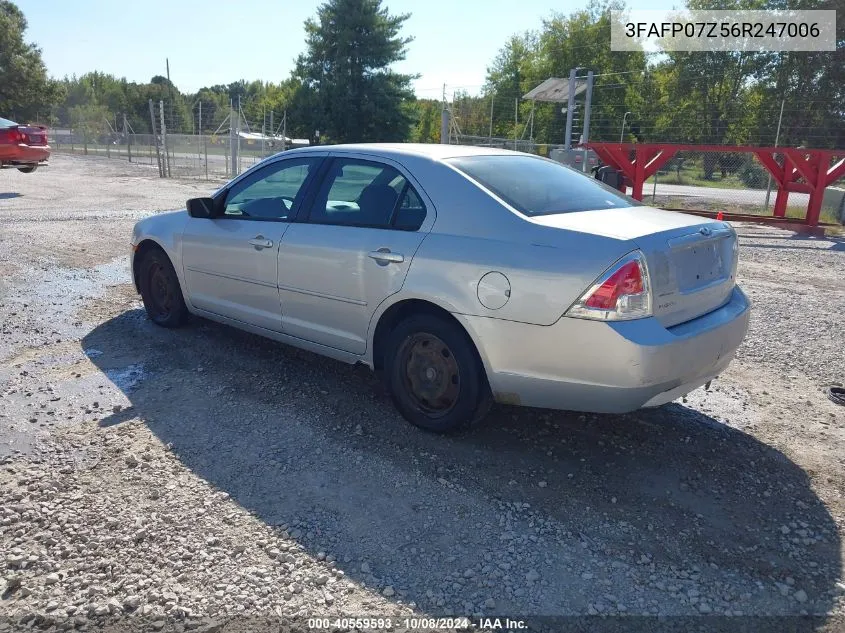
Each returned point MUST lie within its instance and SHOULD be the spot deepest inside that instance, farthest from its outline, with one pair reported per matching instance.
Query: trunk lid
(692, 270)
(33, 136)
(691, 260)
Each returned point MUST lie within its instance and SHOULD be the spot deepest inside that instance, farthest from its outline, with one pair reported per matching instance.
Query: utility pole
(234, 123)
(570, 110)
(155, 139)
(777, 138)
(199, 132)
(585, 135)
(128, 141)
(453, 126)
(284, 130)
(622, 133)
(170, 91)
(164, 138)
(531, 133)
(515, 120)
(492, 98)
(272, 129)
(445, 129)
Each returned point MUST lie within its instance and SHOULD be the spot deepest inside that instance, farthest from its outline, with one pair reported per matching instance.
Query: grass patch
(794, 212)
(693, 178)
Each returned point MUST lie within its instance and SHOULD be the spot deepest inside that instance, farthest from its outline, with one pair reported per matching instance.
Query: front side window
(538, 186)
(367, 194)
(271, 193)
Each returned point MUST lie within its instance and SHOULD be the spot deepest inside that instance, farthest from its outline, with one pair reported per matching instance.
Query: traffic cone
(720, 216)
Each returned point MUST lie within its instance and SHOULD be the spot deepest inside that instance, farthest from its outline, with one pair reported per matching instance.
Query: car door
(230, 260)
(351, 251)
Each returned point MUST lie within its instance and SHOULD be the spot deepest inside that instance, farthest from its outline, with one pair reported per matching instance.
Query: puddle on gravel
(64, 289)
(49, 299)
(128, 378)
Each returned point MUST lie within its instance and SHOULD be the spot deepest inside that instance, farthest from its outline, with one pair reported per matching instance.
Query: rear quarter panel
(545, 279)
(548, 268)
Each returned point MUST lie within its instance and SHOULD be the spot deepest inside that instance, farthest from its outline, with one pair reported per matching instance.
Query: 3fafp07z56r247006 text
(722, 29)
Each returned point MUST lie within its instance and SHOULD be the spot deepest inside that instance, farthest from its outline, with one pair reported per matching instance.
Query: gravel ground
(154, 479)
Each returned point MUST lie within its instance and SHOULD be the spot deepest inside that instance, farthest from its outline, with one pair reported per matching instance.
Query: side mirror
(201, 207)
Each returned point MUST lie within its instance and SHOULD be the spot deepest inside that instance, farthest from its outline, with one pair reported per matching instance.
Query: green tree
(24, 88)
(351, 45)
(508, 78)
(426, 112)
(90, 121)
(580, 39)
(811, 86)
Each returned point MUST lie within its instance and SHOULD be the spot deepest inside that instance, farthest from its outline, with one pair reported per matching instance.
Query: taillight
(621, 293)
(11, 135)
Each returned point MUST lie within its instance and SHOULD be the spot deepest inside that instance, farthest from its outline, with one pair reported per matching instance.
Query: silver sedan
(460, 275)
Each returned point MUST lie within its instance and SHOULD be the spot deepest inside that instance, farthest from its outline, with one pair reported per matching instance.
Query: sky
(219, 41)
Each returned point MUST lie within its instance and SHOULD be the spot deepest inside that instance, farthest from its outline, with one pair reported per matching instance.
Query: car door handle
(384, 256)
(259, 242)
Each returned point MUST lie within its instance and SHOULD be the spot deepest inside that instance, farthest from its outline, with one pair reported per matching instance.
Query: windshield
(538, 186)
(6, 123)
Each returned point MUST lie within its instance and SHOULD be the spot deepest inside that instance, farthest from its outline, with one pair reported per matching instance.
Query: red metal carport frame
(803, 170)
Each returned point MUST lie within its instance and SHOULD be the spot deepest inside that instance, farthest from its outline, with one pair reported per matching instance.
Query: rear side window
(367, 194)
(538, 186)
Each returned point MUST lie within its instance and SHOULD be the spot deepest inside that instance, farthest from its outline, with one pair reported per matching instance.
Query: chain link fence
(206, 156)
(732, 182)
(223, 143)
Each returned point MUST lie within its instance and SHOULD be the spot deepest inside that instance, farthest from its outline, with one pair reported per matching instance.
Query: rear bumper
(608, 367)
(24, 154)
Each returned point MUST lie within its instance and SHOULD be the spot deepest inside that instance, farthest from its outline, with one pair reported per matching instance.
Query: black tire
(160, 290)
(28, 169)
(434, 375)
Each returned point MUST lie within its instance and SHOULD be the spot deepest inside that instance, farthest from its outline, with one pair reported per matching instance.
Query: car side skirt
(316, 348)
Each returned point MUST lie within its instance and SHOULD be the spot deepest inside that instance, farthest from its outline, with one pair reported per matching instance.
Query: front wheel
(160, 290)
(434, 375)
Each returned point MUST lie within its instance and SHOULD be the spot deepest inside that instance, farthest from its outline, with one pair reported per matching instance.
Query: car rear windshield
(538, 186)
(6, 123)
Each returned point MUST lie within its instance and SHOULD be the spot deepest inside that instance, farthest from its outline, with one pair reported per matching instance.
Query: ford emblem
(705, 231)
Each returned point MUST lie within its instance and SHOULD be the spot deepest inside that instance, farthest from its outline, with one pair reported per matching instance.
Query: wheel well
(404, 309)
(143, 248)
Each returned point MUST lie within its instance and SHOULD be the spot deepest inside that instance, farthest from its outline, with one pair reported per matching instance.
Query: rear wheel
(434, 375)
(160, 290)
(28, 169)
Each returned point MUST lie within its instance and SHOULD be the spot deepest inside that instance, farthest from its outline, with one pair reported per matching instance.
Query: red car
(23, 146)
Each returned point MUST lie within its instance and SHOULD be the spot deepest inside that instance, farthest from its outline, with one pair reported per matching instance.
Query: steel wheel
(431, 373)
(434, 374)
(161, 291)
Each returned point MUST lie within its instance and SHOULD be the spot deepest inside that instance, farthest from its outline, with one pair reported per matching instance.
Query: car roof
(7, 123)
(433, 151)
